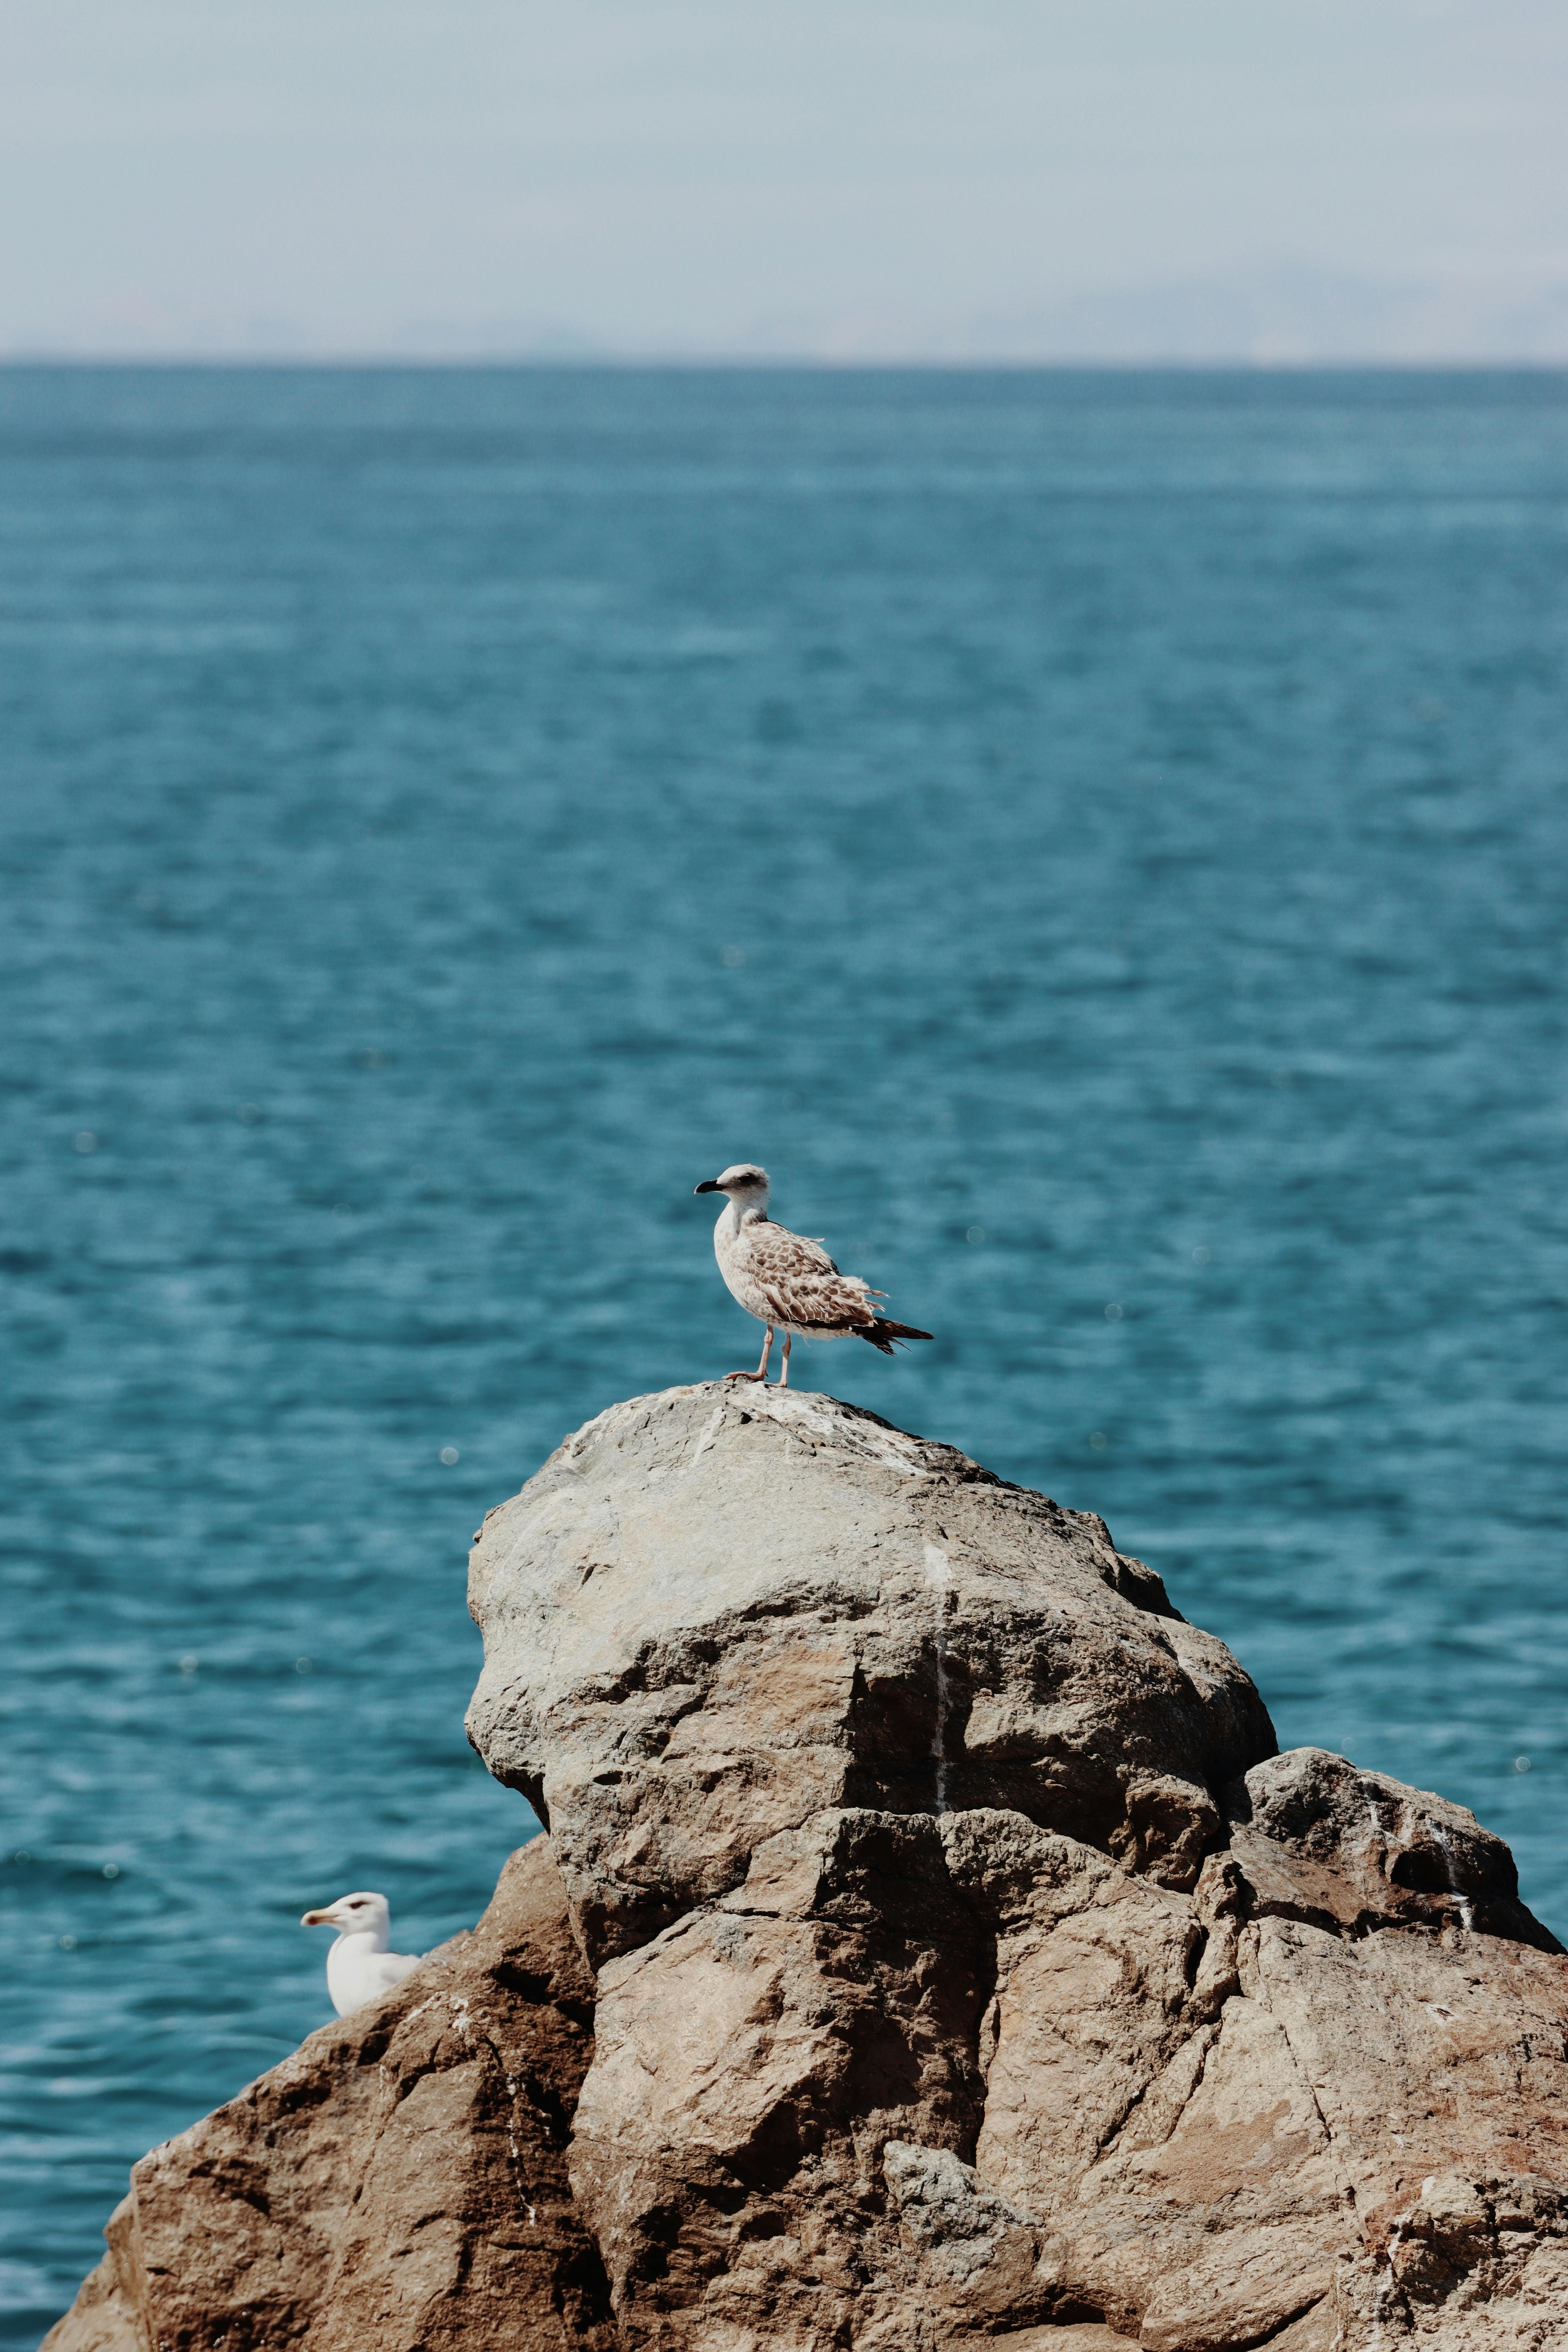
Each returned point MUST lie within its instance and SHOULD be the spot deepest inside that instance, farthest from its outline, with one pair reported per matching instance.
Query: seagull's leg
(783, 1376)
(762, 1372)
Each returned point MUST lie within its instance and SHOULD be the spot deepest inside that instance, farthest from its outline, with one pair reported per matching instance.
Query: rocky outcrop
(400, 2181)
(706, 1619)
(966, 1967)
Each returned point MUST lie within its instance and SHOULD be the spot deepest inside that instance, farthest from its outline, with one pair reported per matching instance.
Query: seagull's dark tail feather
(884, 1331)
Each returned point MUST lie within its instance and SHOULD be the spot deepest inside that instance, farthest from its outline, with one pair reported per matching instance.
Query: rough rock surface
(710, 1616)
(967, 1969)
(400, 2181)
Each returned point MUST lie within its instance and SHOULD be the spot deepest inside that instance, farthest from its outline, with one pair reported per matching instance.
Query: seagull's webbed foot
(745, 1376)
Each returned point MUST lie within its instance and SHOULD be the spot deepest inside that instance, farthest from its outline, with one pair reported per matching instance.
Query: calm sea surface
(1100, 840)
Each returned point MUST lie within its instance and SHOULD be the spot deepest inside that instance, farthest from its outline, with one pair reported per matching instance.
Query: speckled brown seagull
(787, 1282)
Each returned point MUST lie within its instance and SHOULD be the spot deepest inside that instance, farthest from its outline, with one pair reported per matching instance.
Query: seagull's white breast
(730, 1250)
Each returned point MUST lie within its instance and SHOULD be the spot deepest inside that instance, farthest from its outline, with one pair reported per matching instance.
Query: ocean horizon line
(744, 363)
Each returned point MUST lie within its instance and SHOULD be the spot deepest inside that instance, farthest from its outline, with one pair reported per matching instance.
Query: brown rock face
(401, 2180)
(969, 1969)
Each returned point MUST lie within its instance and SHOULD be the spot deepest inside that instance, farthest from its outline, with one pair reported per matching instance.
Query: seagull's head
(744, 1185)
(353, 1914)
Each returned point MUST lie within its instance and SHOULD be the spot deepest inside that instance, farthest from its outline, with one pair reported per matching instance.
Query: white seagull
(359, 1965)
(787, 1282)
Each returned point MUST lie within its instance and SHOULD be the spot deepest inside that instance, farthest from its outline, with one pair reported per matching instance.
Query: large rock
(710, 1615)
(967, 1969)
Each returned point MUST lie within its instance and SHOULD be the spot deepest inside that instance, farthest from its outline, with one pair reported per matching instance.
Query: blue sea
(1100, 840)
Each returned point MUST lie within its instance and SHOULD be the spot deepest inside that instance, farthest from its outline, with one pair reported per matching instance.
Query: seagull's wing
(800, 1284)
(391, 1968)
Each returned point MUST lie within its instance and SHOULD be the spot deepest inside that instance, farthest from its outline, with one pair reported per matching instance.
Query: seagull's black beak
(710, 1187)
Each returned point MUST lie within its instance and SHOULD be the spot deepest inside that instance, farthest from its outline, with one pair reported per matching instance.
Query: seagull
(359, 1965)
(784, 1279)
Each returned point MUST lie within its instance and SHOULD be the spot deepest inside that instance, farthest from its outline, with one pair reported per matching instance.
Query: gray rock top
(712, 1614)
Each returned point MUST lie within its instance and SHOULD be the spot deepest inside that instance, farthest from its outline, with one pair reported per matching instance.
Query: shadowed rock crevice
(930, 1950)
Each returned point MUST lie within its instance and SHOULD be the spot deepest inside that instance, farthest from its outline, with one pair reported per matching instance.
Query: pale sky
(1274, 179)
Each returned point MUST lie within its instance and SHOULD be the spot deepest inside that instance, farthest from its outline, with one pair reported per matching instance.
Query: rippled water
(1100, 840)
